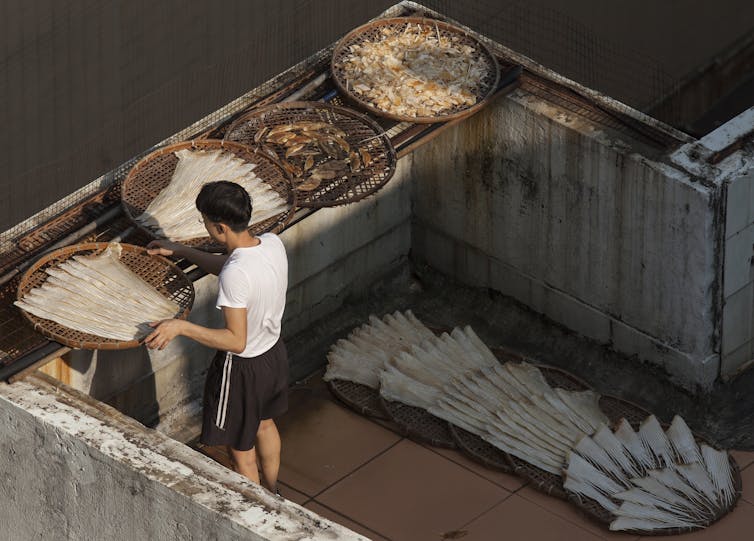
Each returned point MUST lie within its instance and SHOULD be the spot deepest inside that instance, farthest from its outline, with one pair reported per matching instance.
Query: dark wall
(86, 84)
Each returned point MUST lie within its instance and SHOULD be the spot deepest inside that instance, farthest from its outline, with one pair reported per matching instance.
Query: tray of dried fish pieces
(102, 295)
(652, 479)
(160, 191)
(334, 155)
(414, 69)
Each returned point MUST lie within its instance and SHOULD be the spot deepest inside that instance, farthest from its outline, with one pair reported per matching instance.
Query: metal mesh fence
(90, 86)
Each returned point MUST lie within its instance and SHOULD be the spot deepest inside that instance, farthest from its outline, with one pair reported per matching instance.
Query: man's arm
(232, 338)
(210, 263)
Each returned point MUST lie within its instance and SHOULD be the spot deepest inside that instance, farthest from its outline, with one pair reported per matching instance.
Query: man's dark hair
(226, 203)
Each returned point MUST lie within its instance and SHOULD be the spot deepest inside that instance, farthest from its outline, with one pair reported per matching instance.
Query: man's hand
(163, 247)
(164, 332)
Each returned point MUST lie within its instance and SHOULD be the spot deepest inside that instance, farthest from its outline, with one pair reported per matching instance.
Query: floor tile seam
(354, 470)
(585, 520)
(308, 498)
(434, 450)
(372, 530)
(464, 525)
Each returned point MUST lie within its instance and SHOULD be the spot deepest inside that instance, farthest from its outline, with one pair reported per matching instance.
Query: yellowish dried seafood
(311, 152)
(415, 71)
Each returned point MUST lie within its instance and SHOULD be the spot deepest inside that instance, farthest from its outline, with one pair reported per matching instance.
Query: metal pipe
(308, 87)
(65, 241)
(47, 352)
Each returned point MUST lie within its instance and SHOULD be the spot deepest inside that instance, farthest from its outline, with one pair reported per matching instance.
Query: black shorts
(239, 392)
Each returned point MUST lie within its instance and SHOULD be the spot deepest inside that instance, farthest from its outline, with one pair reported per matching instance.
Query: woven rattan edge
(501, 460)
(204, 243)
(345, 41)
(96, 342)
(252, 113)
(391, 409)
(599, 515)
(360, 398)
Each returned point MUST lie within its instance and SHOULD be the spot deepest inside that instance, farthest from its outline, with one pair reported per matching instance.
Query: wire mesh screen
(91, 85)
(564, 45)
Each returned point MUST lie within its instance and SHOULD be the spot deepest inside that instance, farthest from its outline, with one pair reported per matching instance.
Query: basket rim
(310, 200)
(348, 111)
(201, 144)
(345, 41)
(96, 248)
(587, 508)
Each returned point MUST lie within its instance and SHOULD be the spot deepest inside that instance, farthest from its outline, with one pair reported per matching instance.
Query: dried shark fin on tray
(672, 479)
(586, 405)
(636, 511)
(683, 442)
(635, 447)
(582, 470)
(717, 464)
(396, 386)
(588, 449)
(606, 439)
(656, 442)
(696, 475)
(590, 491)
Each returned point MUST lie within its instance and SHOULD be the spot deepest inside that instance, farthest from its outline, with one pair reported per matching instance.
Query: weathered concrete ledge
(74, 468)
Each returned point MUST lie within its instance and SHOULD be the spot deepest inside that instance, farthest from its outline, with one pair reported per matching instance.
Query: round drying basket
(480, 451)
(599, 514)
(153, 173)
(360, 398)
(362, 135)
(373, 32)
(540, 479)
(418, 424)
(157, 271)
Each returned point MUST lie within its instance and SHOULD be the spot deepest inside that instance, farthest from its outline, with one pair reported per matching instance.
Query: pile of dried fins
(650, 481)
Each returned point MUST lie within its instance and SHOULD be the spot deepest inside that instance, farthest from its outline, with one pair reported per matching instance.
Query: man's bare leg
(268, 447)
(245, 463)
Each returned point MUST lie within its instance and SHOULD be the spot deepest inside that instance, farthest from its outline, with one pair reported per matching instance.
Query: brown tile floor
(364, 476)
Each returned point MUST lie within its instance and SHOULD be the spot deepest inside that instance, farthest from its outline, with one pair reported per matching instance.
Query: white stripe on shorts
(222, 406)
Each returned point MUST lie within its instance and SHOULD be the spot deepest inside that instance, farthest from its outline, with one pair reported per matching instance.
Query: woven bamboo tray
(488, 455)
(601, 515)
(360, 131)
(153, 173)
(363, 399)
(360, 398)
(157, 271)
(373, 32)
(419, 425)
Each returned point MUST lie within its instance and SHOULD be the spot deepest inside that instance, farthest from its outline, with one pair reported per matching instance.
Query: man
(247, 382)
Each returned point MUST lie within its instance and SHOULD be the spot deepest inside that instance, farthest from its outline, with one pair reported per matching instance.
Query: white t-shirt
(256, 278)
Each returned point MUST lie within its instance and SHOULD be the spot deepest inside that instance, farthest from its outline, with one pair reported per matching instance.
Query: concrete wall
(72, 468)
(735, 175)
(525, 200)
(333, 253)
(738, 291)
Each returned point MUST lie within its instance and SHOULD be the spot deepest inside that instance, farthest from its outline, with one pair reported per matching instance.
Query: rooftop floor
(360, 473)
(363, 475)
